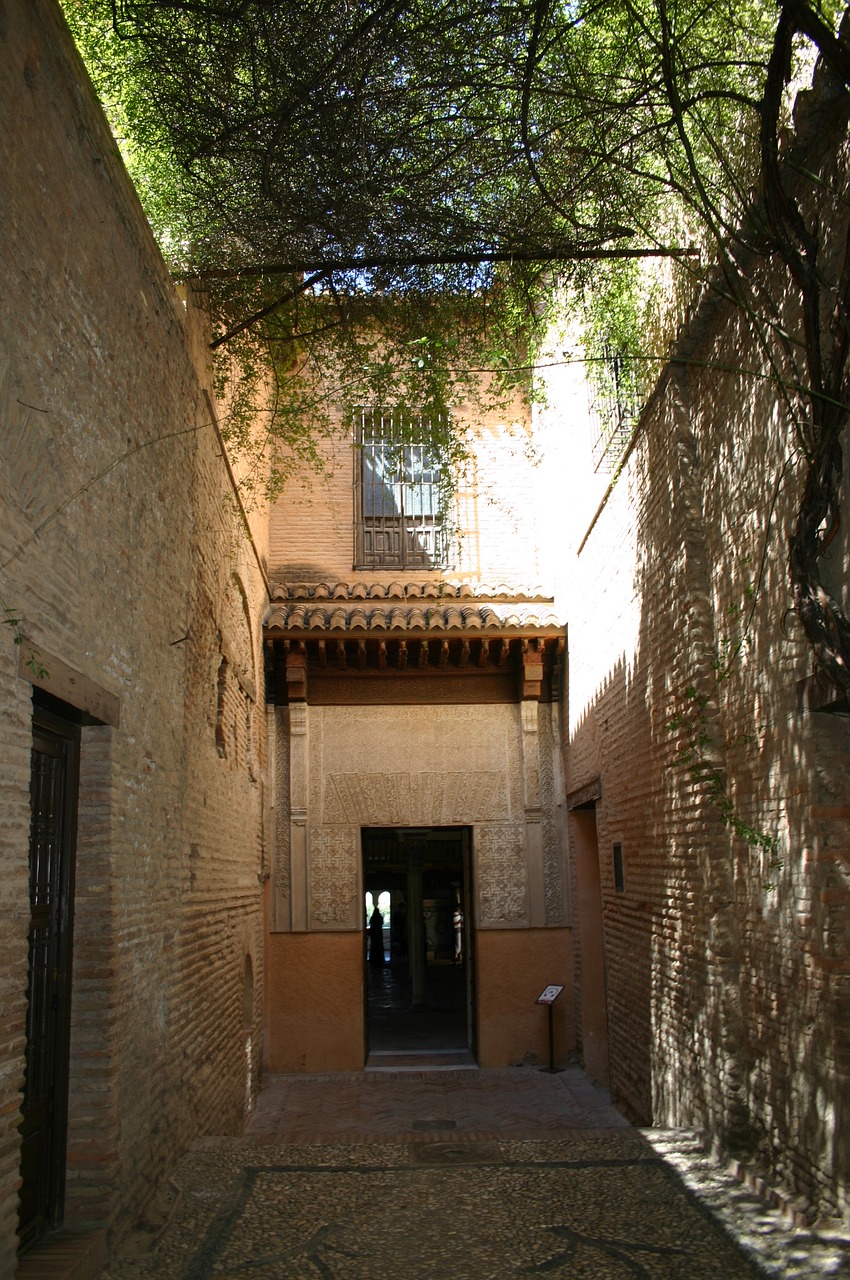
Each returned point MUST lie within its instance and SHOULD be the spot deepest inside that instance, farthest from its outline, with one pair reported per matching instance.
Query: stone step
(65, 1255)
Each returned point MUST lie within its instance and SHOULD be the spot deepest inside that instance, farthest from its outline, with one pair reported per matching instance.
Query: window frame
(413, 533)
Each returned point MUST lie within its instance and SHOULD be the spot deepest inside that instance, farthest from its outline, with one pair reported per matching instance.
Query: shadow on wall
(724, 969)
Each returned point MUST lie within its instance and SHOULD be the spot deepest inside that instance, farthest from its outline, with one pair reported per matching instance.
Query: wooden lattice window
(400, 492)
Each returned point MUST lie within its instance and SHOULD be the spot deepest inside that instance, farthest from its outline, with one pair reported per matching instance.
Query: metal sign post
(548, 997)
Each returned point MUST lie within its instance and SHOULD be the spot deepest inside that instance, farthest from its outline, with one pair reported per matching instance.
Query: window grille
(614, 406)
(400, 490)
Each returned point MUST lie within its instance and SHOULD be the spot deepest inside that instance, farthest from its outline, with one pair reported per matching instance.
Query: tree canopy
(438, 166)
(416, 147)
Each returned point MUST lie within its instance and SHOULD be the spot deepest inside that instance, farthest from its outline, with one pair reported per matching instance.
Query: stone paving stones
(487, 1176)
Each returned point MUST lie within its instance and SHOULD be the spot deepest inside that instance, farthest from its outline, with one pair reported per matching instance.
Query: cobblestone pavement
(483, 1175)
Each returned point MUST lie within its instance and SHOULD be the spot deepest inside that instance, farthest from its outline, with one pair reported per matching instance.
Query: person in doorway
(457, 925)
(376, 937)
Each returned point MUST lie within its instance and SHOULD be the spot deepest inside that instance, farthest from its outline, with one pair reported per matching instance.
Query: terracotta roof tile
(434, 590)
(412, 606)
(368, 616)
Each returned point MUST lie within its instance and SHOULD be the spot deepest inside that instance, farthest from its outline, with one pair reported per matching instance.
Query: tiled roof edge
(440, 590)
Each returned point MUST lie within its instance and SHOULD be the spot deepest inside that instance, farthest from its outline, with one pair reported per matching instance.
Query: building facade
(416, 680)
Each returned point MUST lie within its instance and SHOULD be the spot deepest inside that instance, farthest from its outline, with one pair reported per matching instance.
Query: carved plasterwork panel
(530, 754)
(552, 874)
(334, 854)
(415, 799)
(553, 862)
(433, 766)
(281, 858)
(317, 731)
(501, 875)
(515, 767)
(407, 739)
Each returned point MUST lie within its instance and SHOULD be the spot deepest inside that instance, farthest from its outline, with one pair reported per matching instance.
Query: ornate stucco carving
(530, 755)
(281, 875)
(513, 751)
(502, 879)
(334, 896)
(553, 888)
(415, 799)
(317, 733)
(298, 755)
(431, 766)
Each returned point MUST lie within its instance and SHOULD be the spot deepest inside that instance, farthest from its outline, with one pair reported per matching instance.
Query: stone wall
(728, 967)
(139, 595)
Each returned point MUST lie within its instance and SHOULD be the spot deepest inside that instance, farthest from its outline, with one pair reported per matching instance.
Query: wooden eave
(363, 667)
(431, 642)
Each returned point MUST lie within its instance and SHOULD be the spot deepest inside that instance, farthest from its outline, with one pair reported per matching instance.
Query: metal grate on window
(400, 492)
(614, 406)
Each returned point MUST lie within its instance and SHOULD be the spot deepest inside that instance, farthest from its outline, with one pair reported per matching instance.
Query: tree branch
(467, 257)
(267, 310)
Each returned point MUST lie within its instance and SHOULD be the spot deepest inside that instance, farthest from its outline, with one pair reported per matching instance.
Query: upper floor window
(614, 405)
(400, 492)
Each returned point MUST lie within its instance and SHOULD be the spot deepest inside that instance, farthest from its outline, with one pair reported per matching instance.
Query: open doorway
(419, 984)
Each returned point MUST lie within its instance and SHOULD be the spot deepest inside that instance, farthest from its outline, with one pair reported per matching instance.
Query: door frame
(469, 953)
(43, 1183)
(464, 833)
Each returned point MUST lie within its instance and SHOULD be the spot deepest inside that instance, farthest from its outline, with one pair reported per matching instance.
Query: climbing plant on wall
(438, 166)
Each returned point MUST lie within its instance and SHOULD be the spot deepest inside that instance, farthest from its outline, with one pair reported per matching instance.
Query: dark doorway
(54, 784)
(594, 1002)
(420, 991)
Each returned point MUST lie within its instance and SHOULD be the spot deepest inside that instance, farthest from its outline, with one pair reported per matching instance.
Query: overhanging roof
(362, 642)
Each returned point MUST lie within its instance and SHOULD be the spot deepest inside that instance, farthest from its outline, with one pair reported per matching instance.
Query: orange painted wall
(314, 1002)
(514, 967)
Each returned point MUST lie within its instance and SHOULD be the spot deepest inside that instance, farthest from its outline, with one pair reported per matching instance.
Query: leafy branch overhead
(378, 196)
(417, 148)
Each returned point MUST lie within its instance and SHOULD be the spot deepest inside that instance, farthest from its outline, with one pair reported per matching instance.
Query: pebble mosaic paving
(600, 1210)
(486, 1175)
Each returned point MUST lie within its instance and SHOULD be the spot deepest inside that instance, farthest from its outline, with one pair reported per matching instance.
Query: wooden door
(51, 860)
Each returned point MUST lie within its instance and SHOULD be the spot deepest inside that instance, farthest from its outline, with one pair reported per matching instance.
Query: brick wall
(120, 550)
(727, 977)
(497, 510)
